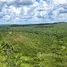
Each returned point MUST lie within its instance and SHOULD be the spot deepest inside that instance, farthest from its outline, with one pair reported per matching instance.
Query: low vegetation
(33, 45)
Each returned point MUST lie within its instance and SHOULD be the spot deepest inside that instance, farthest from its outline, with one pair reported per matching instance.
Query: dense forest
(43, 45)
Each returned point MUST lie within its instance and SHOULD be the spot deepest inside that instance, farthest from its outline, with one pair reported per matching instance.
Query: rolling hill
(40, 45)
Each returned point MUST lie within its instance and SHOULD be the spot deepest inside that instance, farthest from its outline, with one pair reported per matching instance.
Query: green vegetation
(33, 45)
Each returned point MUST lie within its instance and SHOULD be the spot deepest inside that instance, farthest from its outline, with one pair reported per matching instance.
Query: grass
(34, 45)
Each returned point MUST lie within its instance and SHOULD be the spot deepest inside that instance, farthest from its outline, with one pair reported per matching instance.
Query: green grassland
(42, 45)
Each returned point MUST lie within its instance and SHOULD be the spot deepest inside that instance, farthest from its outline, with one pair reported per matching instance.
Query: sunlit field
(43, 45)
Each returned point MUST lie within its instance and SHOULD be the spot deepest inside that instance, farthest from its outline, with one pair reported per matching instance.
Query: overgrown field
(33, 45)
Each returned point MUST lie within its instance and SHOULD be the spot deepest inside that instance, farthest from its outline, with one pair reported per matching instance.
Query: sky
(32, 11)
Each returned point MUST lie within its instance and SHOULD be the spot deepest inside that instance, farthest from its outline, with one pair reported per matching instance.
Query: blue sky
(32, 11)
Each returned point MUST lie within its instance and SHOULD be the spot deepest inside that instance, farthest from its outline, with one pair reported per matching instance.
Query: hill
(40, 45)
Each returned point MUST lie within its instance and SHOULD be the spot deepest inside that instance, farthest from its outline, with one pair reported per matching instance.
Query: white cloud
(25, 9)
(6, 17)
(7, 0)
(17, 2)
(14, 10)
(33, 11)
(26, 2)
(62, 16)
(57, 2)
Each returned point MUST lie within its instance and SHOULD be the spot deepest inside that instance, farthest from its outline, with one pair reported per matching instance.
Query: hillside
(43, 45)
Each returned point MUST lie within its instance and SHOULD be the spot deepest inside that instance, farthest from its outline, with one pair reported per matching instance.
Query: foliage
(34, 45)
